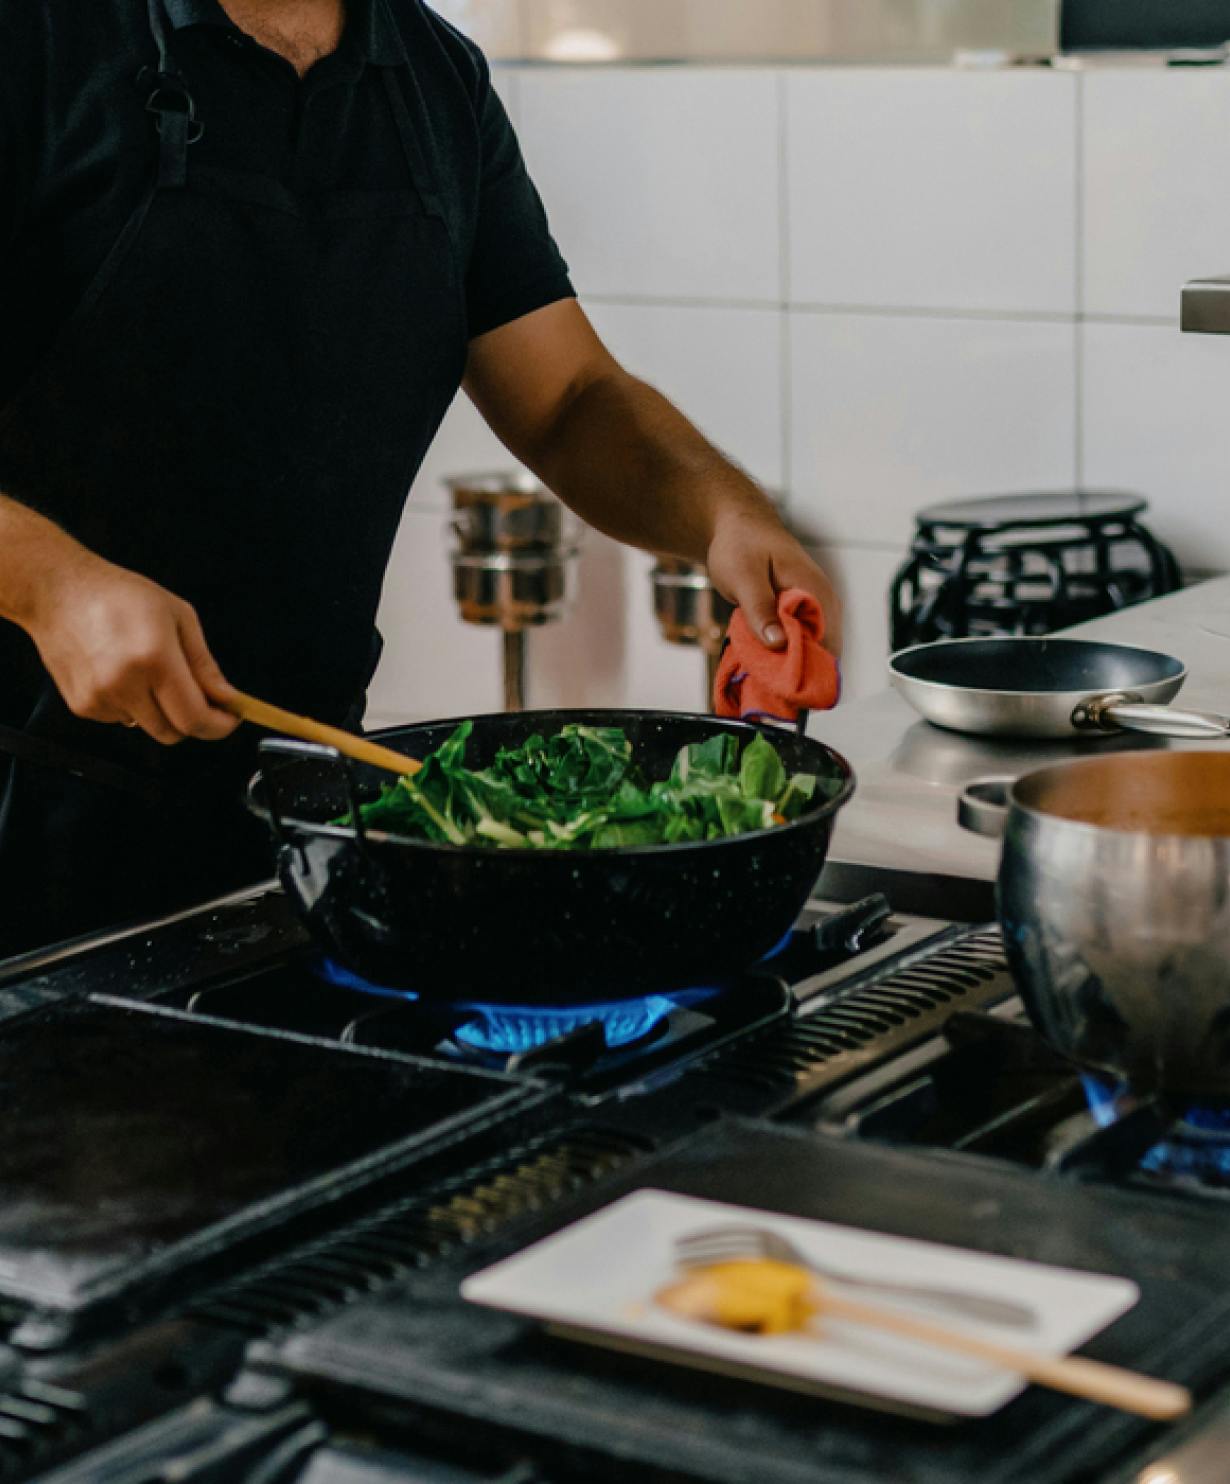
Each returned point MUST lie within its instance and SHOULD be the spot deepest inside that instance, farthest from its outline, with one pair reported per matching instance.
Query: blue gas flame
(509, 1029)
(1198, 1145)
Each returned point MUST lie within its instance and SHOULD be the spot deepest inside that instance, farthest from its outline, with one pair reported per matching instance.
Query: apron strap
(168, 100)
(420, 171)
(158, 30)
(172, 106)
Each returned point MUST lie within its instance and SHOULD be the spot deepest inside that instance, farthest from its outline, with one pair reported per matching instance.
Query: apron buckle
(169, 94)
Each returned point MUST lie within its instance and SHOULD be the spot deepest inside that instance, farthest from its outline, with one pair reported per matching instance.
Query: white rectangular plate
(595, 1281)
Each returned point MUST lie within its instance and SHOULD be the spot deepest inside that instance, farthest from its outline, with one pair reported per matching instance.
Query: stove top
(590, 1416)
(991, 1087)
(238, 1194)
(141, 1143)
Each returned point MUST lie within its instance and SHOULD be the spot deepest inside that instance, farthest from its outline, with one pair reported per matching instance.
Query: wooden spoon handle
(1128, 1390)
(248, 708)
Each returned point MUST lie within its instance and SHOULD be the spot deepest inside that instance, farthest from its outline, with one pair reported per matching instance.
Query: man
(251, 250)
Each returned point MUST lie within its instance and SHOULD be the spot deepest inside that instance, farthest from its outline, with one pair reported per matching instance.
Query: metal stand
(514, 669)
(713, 659)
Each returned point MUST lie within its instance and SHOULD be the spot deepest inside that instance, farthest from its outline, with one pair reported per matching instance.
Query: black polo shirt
(76, 148)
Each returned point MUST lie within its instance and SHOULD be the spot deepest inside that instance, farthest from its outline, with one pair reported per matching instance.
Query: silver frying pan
(1048, 688)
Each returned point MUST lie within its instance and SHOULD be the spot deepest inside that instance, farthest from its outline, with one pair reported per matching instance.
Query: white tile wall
(583, 659)
(663, 182)
(934, 189)
(606, 651)
(890, 413)
(464, 445)
(722, 367)
(862, 577)
(935, 215)
(1155, 420)
(1157, 207)
(433, 665)
(610, 651)
(507, 83)
(496, 28)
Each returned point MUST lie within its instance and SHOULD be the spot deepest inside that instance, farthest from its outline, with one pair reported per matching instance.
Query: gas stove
(240, 1190)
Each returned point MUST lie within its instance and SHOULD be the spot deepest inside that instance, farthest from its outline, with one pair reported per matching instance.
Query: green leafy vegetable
(580, 789)
(761, 774)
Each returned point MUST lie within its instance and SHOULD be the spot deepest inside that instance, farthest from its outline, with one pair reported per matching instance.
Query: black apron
(195, 422)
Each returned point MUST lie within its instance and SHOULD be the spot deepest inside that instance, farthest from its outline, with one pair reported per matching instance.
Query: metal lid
(499, 482)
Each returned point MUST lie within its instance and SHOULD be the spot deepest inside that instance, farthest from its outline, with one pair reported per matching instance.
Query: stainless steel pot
(689, 609)
(513, 592)
(509, 512)
(1114, 897)
(514, 563)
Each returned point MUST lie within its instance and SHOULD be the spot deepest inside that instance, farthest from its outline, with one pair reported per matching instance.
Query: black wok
(466, 924)
(1030, 687)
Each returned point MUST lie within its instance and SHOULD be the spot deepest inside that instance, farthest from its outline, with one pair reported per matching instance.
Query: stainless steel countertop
(902, 825)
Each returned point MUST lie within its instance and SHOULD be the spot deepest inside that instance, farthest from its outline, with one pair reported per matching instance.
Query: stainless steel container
(1114, 896)
(509, 512)
(513, 591)
(514, 562)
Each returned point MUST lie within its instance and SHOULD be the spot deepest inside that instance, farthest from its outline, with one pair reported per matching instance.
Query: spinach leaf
(581, 789)
(761, 774)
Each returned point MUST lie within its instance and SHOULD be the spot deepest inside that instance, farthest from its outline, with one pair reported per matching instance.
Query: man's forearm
(632, 465)
(118, 647)
(34, 553)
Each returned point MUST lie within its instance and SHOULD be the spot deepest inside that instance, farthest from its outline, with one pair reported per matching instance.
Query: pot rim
(1124, 760)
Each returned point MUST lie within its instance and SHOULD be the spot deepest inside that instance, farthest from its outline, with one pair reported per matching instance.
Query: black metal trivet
(1025, 564)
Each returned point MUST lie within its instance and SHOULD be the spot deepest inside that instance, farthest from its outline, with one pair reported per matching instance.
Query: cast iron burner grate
(1196, 1144)
(510, 1030)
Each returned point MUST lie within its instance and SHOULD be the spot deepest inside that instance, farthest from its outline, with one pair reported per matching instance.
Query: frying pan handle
(311, 752)
(1112, 714)
(984, 804)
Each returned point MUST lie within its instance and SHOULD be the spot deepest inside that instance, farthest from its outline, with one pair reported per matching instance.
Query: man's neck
(302, 31)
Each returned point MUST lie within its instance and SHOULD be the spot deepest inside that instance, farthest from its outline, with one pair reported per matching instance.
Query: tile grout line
(883, 311)
(1078, 330)
(916, 311)
(786, 369)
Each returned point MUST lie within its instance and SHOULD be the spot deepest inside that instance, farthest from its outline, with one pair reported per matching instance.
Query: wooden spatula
(764, 1297)
(262, 714)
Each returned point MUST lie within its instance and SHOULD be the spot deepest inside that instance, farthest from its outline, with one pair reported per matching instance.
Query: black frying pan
(474, 923)
(1048, 688)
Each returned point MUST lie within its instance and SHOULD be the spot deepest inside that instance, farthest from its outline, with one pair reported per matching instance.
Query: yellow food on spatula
(756, 1296)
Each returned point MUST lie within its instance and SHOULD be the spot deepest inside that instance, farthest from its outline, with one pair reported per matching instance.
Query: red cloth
(777, 684)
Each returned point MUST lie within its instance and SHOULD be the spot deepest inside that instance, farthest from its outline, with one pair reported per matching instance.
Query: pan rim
(947, 686)
(830, 807)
